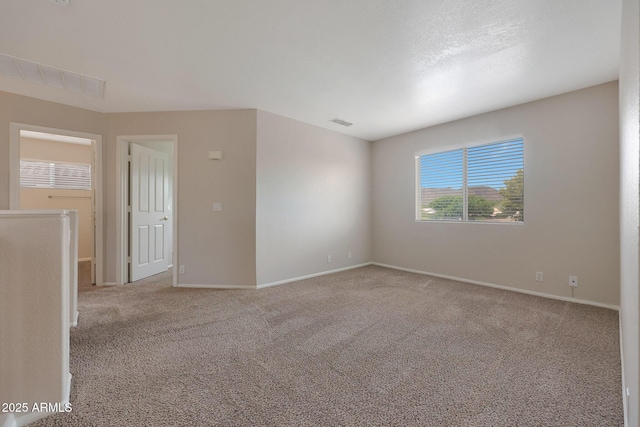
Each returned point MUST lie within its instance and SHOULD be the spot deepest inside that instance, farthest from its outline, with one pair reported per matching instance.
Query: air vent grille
(18, 68)
(340, 122)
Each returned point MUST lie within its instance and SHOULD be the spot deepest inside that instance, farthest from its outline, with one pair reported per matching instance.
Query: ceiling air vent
(18, 68)
(340, 122)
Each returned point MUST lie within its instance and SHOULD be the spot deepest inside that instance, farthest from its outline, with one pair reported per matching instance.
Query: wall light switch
(217, 207)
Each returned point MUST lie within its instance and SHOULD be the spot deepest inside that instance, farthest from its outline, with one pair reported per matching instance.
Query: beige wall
(630, 201)
(216, 248)
(38, 198)
(571, 200)
(313, 199)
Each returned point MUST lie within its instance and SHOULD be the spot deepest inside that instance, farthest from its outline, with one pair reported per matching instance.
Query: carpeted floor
(365, 347)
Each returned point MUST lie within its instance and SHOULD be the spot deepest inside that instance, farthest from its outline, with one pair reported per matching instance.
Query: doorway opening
(61, 169)
(146, 227)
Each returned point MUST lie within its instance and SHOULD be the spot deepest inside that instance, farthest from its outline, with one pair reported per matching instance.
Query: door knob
(165, 218)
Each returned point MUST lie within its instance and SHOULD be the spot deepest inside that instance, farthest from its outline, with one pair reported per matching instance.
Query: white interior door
(149, 182)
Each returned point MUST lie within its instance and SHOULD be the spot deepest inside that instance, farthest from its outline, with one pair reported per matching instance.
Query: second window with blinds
(481, 183)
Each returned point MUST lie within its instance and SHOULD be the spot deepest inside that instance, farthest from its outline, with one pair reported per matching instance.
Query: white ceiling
(388, 66)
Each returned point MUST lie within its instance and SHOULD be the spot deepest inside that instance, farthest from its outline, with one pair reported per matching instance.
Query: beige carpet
(366, 347)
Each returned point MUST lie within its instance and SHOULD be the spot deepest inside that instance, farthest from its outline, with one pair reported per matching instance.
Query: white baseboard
(625, 399)
(84, 259)
(204, 286)
(506, 288)
(67, 389)
(107, 284)
(265, 285)
(309, 276)
(75, 320)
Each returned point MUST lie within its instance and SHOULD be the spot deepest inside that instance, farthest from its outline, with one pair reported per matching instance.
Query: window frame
(456, 147)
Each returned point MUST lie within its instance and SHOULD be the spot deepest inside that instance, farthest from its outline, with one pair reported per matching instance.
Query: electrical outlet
(573, 281)
(328, 258)
(350, 255)
(539, 276)
(181, 269)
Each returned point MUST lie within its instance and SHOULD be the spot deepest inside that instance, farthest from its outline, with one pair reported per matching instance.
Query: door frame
(14, 182)
(122, 195)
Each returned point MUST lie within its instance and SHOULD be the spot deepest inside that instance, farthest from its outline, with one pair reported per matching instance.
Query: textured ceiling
(387, 66)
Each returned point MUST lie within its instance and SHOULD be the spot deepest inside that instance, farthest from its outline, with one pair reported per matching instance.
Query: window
(481, 183)
(39, 174)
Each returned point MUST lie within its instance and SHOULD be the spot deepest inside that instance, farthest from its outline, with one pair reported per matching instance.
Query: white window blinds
(481, 183)
(39, 174)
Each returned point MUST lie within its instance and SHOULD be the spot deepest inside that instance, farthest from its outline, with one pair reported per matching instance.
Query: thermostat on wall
(215, 155)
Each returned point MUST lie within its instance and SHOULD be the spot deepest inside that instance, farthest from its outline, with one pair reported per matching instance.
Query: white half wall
(630, 202)
(312, 200)
(571, 200)
(34, 309)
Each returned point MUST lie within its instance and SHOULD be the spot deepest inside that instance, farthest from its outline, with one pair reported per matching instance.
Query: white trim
(122, 186)
(625, 399)
(202, 286)
(506, 288)
(174, 212)
(31, 213)
(309, 276)
(67, 389)
(14, 181)
(75, 319)
(14, 165)
(98, 224)
(79, 259)
(121, 221)
(109, 284)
